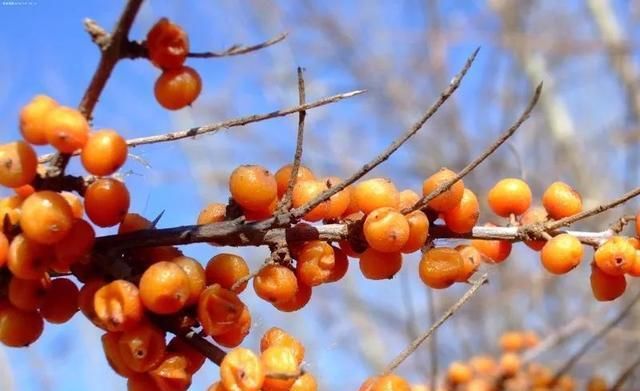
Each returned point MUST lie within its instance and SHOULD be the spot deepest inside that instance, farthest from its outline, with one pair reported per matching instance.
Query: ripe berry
(67, 129)
(226, 269)
(386, 230)
(60, 302)
(440, 267)
(4, 249)
(509, 195)
(471, 259)
(242, 370)
(510, 364)
(46, 217)
(117, 305)
(104, 153)
(18, 163)
(315, 263)
(86, 300)
(534, 215)
(106, 202)
(464, 216)
(171, 374)
(597, 383)
(606, 287)
(253, 187)
(24, 191)
(375, 193)
(113, 355)
(340, 267)
(237, 333)
(178, 88)
(142, 347)
(74, 246)
(450, 198)
(407, 199)
(10, 210)
(512, 341)
(284, 173)
(27, 295)
(418, 231)
(616, 256)
(164, 288)
(212, 213)
(298, 301)
(389, 382)
(304, 192)
(561, 254)
(195, 359)
(495, 250)
(459, 373)
(196, 276)
(20, 328)
(305, 382)
(28, 259)
(560, 200)
(275, 283)
(168, 44)
(75, 203)
(281, 360)
(339, 202)
(278, 337)
(218, 310)
(375, 265)
(32, 119)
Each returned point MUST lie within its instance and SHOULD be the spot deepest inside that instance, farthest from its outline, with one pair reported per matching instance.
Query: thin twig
(413, 346)
(206, 348)
(485, 154)
(553, 339)
(625, 375)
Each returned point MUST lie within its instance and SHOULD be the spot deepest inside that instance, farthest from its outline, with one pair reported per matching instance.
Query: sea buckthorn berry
(315, 262)
(214, 212)
(561, 200)
(375, 193)
(298, 301)
(483, 365)
(386, 230)
(104, 153)
(227, 269)
(634, 270)
(67, 130)
(117, 305)
(305, 382)
(353, 205)
(389, 382)
(540, 376)
(86, 300)
(106, 202)
(242, 370)
(164, 288)
(339, 202)
(531, 339)
(60, 301)
(218, 310)
(133, 222)
(407, 199)
(471, 259)
(75, 203)
(495, 250)
(168, 45)
(74, 246)
(509, 196)
(464, 216)
(195, 359)
(459, 373)
(142, 347)
(46, 217)
(178, 88)
(32, 119)
(597, 383)
(284, 173)
(27, 295)
(4, 248)
(196, 276)
(24, 191)
(253, 187)
(534, 215)
(20, 328)
(275, 283)
(638, 224)
(238, 332)
(340, 267)
(280, 360)
(278, 337)
(509, 364)
(616, 256)
(140, 382)
(375, 265)
(18, 163)
(306, 191)
(171, 374)
(112, 353)
(348, 249)
(606, 287)
(217, 386)
(450, 198)
(512, 341)
(28, 259)
(257, 215)
(10, 210)
(561, 254)
(440, 267)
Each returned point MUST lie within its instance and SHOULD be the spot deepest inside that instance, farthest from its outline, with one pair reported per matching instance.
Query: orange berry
(606, 287)
(386, 230)
(60, 301)
(4, 248)
(164, 288)
(459, 373)
(389, 382)
(113, 356)
(214, 212)
(86, 300)
(464, 216)
(106, 202)
(560, 200)
(171, 374)
(253, 187)
(177, 88)
(280, 360)
(217, 386)
(168, 44)
(218, 310)
(375, 193)
(450, 198)
(634, 270)
(24, 191)
(539, 375)
(509, 196)
(375, 265)
(104, 153)
(346, 247)
(440, 267)
(531, 339)
(471, 259)
(407, 199)
(561, 254)
(277, 337)
(46, 217)
(142, 347)
(196, 276)
(340, 267)
(305, 382)
(66, 129)
(28, 259)
(10, 210)
(27, 295)
(298, 301)
(495, 250)
(597, 383)
(133, 222)
(616, 256)
(275, 283)
(315, 263)
(339, 202)
(534, 215)
(237, 333)
(195, 359)
(141, 382)
(304, 192)
(32, 119)
(74, 246)
(227, 269)
(509, 364)
(483, 365)
(18, 163)
(638, 224)
(117, 305)
(20, 328)
(75, 203)
(242, 370)
(284, 173)
(512, 341)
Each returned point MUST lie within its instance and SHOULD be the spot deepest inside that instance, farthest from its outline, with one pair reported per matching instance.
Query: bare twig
(485, 154)
(206, 348)
(625, 375)
(552, 340)
(413, 346)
